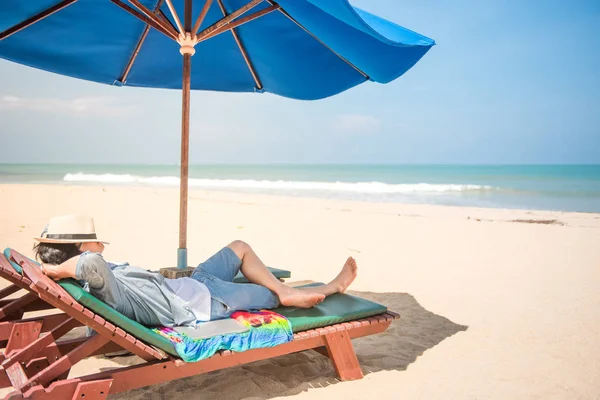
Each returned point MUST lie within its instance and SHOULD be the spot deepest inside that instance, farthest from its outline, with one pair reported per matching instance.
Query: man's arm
(65, 270)
(88, 267)
(91, 268)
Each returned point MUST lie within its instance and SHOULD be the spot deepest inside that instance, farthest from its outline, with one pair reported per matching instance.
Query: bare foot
(346, 276)
(298, 298)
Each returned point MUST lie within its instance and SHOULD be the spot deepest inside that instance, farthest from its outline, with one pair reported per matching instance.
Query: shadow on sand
(407, 338)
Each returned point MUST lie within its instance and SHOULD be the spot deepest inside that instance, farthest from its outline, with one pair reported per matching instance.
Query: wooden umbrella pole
(185, 147)
(187, 51)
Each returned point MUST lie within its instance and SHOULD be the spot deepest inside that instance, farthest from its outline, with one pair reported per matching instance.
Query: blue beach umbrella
(302, 49)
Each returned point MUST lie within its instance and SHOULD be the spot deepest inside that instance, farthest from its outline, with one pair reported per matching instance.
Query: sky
(509, 82)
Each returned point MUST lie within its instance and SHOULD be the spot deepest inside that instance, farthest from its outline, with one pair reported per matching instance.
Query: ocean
(545, 187)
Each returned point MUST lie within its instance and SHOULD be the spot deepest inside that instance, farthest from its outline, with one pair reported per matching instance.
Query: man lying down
(69, 248)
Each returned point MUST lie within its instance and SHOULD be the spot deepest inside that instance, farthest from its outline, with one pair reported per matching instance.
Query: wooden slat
(355, 324)
(303, 335)
(330, 329)
(381, 318)
(77, 307)
(347, 325)
(110, 327)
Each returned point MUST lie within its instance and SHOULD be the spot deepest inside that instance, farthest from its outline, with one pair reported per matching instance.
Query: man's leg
(256, 272)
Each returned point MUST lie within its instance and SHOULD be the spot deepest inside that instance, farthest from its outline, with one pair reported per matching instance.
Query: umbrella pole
(187, 51)
(185, 147)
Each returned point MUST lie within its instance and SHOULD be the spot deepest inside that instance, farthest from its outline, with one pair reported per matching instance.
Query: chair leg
(63, 364)
(22, 334)
(341, 352)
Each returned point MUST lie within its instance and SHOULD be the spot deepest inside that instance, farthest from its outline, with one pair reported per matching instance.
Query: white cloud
(104, 106)
(355, 123)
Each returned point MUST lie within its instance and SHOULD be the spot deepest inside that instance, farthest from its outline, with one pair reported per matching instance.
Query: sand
(494, 305)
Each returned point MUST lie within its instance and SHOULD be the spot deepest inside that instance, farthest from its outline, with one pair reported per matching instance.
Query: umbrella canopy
(302, 49)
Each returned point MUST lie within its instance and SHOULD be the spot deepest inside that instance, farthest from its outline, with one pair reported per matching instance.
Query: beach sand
(493, 304)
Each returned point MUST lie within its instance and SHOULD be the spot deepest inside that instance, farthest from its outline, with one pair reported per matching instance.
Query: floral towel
(267, 329)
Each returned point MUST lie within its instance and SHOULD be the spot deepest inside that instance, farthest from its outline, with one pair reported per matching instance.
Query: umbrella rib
(175, 16)
(238, 22)
(201, 17)
(138, 47)
(187, 15)
(145, 19)
(154, 18)
(226, 20)
(319, 40)
(161, 14)
(36, 18)
(257, 81)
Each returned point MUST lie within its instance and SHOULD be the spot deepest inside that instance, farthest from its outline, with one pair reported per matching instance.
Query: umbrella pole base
(176, 272)
(181, 270)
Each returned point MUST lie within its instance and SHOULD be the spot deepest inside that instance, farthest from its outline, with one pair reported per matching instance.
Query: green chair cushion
(333, 310)
(279, 274)
(17, 267)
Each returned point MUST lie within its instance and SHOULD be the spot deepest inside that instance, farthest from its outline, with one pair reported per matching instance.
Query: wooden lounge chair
(39, 369)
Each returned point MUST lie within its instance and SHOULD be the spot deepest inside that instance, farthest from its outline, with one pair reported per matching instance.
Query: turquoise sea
(549, 187)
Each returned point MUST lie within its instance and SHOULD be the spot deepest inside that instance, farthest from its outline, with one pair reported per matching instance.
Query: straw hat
(69, 229)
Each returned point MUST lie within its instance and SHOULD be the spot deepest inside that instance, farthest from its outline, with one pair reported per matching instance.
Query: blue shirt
(139, 294)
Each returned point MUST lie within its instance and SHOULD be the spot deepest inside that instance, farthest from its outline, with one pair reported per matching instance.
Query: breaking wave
(248, 184)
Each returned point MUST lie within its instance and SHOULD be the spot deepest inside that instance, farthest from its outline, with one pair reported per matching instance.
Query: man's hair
(55, 253)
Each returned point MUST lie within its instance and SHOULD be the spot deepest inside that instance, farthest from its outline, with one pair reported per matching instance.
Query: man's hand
(61, 271)
(51, 271)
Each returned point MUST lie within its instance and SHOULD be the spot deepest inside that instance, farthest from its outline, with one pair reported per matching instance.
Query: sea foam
(354, 187)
